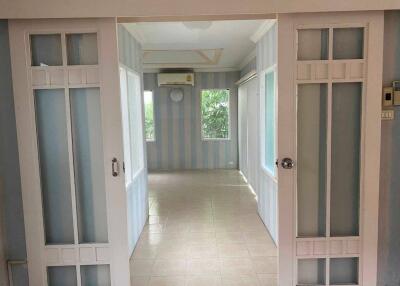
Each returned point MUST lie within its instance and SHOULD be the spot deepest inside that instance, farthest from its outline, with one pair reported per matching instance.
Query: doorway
(84, 169)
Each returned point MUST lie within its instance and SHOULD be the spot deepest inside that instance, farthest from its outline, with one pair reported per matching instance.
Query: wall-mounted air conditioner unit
(175, 79)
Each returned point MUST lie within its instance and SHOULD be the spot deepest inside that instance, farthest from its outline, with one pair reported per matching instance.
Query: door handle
(114, 167)
(287, 163)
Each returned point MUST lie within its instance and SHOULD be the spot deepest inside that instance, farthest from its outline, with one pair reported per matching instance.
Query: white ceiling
(217, 45)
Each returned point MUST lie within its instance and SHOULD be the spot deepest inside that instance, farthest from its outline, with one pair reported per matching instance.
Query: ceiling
(213, 45)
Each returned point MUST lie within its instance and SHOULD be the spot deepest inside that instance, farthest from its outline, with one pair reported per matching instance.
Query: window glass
(149, 115)
(269, 111)
(215, 114)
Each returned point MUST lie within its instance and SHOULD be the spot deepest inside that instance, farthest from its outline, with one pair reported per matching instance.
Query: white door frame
(105, 75)
(288, 77)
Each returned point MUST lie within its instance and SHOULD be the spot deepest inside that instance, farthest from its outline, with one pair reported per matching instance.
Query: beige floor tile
(202, 250)
(257, 237)
(267, 249)
(153, 228)
(140, 280)
(167, 281)
(240, 280)
(168, 267)
(268, 279)
(141, 267)
(265, 265)
(233, 250)
(203, 280)
(203, 229)
(208, 266)
(230, 237)
(236, 266)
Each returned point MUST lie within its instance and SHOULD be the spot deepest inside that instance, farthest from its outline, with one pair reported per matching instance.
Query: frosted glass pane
(135, 122)
(311, 159)
(348, 43)
(89, 164)
(82, 49)
(46, 50)
(51, 127)
(343, 271)
(312, 44)
(125, 126)
(19, 274)
(95, 275)
(311, 272)
(270, 156)
(345, 173)
(61, 276)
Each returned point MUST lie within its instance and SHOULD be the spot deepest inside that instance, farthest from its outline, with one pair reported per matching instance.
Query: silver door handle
(114, 167)
(287, 163)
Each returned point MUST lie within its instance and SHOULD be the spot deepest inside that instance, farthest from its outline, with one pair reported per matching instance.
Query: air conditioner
(175, 79)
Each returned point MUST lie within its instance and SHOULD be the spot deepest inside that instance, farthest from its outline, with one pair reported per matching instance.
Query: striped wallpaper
(178, 143)
(267, 188)
(389, 198)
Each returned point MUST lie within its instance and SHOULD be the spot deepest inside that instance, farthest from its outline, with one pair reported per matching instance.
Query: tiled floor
(203, 229)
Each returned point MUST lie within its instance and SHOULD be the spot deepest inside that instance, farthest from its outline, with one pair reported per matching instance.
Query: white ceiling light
(198, 25)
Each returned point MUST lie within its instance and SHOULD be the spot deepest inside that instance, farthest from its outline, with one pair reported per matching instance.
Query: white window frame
(262, 121)
(134, 175)
(154, 120)
(229, 116)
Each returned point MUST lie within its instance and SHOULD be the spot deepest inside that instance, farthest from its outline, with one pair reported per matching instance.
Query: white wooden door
(329, 107)
(66, 90)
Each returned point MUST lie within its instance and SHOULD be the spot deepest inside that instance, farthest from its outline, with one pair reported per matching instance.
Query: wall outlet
(387, 114)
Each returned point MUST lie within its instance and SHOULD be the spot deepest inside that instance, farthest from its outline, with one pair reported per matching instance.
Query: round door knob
(287, 163)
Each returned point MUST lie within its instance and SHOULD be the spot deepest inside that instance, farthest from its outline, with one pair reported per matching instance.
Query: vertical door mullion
(329, 151)
(70, 152)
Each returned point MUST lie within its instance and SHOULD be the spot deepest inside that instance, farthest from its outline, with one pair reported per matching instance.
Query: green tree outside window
(215, 113)
(149, 115)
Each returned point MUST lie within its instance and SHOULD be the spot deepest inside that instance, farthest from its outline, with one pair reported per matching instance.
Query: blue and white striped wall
(178, 143)
(130, 55)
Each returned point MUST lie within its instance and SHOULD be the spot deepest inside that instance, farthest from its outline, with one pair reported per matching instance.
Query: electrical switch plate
(387, 96)
(388, 114)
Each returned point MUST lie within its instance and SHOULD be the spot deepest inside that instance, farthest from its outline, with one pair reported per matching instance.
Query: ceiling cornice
(264, 27)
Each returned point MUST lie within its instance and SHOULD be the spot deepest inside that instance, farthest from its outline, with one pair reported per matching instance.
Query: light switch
(387, 96)
(388, 114)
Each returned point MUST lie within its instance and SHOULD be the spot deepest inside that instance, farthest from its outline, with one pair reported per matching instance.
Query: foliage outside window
(149, 115)
(215, 114)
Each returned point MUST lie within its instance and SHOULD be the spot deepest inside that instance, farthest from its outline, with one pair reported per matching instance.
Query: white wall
(130, 55)
(265, 187)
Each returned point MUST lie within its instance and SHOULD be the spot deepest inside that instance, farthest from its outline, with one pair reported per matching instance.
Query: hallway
(203, 229)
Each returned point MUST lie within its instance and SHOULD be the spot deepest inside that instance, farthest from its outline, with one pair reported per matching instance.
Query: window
(269, 121)
(215, 114)
(149, 116)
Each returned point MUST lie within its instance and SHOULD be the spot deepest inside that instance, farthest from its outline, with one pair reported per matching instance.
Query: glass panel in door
(311, 157)
(55, 177)
(87, 140)
(345, 174)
